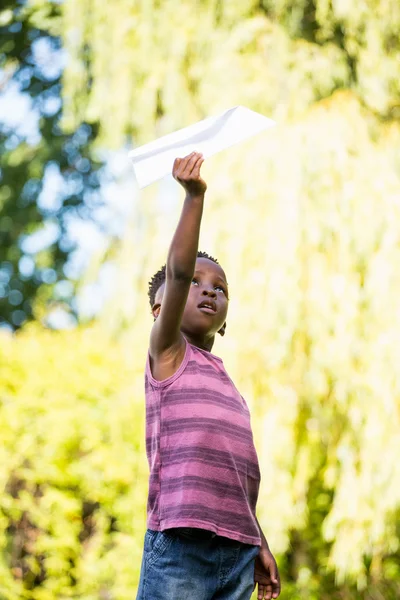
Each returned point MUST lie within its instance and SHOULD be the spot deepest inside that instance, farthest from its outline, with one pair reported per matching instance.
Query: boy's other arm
(165, 335)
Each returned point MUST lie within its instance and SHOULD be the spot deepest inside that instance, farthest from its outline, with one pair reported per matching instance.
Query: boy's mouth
(208, 306)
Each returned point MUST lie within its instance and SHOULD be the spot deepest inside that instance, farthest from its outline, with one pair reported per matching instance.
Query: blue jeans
(178, 565)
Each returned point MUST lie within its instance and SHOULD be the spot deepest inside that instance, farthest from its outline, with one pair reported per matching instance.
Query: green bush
(73, 467)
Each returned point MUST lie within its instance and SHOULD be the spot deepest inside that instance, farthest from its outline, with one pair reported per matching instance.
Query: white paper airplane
(153, 161)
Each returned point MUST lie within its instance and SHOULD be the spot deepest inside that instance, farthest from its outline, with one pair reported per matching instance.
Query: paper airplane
(153, 161)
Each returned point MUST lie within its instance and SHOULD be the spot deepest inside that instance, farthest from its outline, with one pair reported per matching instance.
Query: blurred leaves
(275, 57)
(46, 176)
(305, 221)
(71, 464)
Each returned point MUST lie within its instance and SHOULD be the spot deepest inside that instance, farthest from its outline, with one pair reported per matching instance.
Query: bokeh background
(305, 220)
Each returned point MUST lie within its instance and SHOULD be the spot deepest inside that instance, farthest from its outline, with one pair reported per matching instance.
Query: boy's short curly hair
(158, 278)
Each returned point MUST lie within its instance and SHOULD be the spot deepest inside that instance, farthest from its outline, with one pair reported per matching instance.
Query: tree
(31, 60)
(163, 65)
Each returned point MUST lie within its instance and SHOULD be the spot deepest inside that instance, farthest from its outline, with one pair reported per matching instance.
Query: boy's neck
(200, 342)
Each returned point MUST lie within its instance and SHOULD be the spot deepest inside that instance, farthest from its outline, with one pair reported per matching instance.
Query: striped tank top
(204, 470)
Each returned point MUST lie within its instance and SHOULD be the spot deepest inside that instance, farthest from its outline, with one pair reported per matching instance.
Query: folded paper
(153, 161)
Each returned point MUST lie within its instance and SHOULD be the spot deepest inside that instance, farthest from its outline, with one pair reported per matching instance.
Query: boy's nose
(209, 292)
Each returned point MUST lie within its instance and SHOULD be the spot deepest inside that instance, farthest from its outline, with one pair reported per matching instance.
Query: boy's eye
(194, 280)
(218, 287)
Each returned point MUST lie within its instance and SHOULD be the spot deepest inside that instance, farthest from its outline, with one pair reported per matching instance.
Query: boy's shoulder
(194, 361)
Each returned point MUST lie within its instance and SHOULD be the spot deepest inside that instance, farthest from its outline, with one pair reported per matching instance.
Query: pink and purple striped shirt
(204, 470)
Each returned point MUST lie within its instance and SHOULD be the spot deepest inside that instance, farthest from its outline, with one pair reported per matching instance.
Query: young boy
(203, 538)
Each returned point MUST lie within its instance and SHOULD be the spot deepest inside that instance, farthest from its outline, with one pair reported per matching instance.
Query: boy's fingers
(196, 169)
(186, 167)
(275, 581)
(276, 587)
(261, 592)
(268, 591)
(264, 592)
(176, 166)
(185, 161)
(180, 164)
(273, 571)
(191, 164)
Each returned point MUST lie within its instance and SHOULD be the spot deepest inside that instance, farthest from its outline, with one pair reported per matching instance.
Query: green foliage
(164, 65)
(306, 221)
(27, 276)
(157, 66)
(73, 466)
(365, 31)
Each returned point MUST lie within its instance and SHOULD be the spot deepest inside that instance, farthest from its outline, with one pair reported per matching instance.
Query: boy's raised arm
(182, 256)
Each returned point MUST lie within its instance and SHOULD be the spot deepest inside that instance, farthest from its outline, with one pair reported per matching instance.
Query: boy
(203, 538)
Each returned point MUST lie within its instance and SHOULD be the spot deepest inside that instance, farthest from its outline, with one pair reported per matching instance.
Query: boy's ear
(223, 329)
(156, 310)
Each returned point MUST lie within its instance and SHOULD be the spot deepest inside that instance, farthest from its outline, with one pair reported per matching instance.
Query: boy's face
(209, 286)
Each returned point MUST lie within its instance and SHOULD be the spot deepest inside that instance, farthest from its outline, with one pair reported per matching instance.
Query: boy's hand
(266, 575)
(187, 172)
